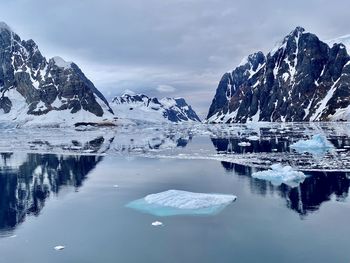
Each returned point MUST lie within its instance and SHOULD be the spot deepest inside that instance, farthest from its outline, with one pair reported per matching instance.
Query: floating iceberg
(317, 145)
(244, 144)
(177, 202)
(58, 248)
(281, 174)
(253, 138)
(157, 223)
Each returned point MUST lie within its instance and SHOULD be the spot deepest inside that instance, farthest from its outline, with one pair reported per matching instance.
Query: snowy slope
(340, 40)
(143, 108)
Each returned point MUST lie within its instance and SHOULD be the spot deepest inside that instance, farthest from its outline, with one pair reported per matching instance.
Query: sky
(172, 48)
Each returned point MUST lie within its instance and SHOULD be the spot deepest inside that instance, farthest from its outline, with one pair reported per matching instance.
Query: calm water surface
(48, 200)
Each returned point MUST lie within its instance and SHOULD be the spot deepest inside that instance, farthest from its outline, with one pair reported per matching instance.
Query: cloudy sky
(166, 47)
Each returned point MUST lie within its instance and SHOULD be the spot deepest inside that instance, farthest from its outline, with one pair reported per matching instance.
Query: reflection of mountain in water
(319, 187)
(27, 180)
(232, 145)
(316, 189)
(150, 140)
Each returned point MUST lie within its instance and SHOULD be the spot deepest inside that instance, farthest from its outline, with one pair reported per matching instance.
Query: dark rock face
(53, 85)
(174, 110)
(303, 79)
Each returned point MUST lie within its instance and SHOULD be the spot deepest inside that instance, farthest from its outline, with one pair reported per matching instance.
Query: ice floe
(244, 144)
(157, 223)
(279, 174)
(253, 138)
(58, 248)
(177, 202)
(317, 144)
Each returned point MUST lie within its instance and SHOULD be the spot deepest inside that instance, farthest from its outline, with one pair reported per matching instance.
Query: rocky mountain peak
(4, 27)
(301, 79)
(34, 89)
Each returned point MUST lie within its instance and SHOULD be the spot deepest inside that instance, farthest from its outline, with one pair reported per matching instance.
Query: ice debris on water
(281, 174)
(157, 223)
(253, 138)
(317, 144)
(58, 248)
(244, 144)
(177, 202)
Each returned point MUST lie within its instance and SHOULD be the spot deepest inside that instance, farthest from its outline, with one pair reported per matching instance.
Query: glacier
(178, 202)
(279, 174)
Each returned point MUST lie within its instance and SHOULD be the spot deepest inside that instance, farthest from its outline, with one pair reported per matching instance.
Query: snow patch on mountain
(340, 40)
(60, 62)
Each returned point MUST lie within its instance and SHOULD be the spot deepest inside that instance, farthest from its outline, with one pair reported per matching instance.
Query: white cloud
(165, 88)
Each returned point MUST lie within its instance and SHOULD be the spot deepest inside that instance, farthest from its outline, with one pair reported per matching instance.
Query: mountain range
(301, 79)
(53, 92)
(140, 107)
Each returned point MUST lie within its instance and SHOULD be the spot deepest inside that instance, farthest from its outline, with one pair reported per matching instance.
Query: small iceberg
(157, 223)
(253, 138)
(281, 174)
(317, 145)
(58, 248)
(244, 144)
(177, 202)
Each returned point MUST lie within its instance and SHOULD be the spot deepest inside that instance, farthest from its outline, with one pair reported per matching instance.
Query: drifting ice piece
(177, 202)
(281, 174)
(318, 144)
(157, 223)
(58, 248)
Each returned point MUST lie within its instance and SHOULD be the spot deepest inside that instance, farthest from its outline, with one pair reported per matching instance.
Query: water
(69, 199)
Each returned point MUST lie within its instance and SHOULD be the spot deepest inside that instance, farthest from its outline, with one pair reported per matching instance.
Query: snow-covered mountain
(301, 79)
(34, 90)
(143, 108)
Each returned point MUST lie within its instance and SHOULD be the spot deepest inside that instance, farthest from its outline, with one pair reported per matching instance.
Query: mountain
(143, 108)
(301, 79)
(39, 91)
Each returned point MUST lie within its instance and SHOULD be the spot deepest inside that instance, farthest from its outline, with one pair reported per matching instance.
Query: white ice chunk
(281, 174)
(244, 144)
(253, 138)
(59, 248)
(318, 144)
(177, 202)
(157, 223)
